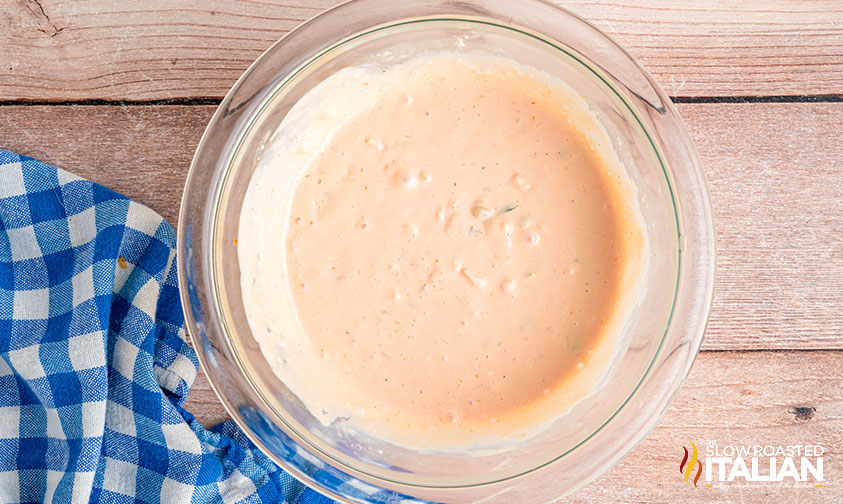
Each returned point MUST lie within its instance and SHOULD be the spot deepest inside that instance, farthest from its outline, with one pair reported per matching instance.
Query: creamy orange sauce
(459, 249)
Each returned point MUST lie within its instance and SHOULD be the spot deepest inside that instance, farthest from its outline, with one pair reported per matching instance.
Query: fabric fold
(94, 361)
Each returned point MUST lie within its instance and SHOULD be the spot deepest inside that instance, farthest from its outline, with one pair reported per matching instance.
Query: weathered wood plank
(203, 403)
(143, 152)
(776, 177)
(729, 397)
(737, 398)
(775, 170)
(91, 49)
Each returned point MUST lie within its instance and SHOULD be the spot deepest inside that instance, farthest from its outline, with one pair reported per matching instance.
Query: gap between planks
(189, 102)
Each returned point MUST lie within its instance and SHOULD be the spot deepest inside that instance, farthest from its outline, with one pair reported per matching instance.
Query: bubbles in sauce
(456, 253)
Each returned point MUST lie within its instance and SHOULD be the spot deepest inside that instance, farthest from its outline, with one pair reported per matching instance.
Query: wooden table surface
(120, 92)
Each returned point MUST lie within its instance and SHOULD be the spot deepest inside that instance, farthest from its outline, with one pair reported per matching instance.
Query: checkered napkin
(94, 365)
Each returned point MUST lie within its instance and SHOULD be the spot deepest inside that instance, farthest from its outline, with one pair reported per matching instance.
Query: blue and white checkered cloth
(94, 365)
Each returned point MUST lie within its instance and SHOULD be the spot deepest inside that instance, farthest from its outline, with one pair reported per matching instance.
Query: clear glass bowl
(653, 355)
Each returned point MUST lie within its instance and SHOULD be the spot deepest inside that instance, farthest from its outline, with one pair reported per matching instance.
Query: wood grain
(730, 398)
(775, 171)
(143, 152)
(776, 177)
(203, 403)
(154, 49)
(737, 398)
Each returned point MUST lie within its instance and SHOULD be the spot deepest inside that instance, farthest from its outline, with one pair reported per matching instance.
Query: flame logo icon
(686, 467)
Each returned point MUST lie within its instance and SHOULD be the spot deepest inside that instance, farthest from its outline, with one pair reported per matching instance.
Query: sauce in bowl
(456, 258)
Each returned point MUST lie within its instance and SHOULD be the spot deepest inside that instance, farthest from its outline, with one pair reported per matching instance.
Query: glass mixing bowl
(654, 353)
